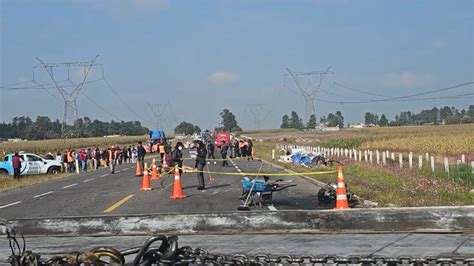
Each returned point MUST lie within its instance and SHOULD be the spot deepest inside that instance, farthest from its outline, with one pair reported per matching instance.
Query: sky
(191, 59)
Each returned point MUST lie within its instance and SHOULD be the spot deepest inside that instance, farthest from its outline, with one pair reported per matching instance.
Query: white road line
(104, 175)
(271, 208)
(11, 204)
(87, 180)
(68, 186)
(44, 194)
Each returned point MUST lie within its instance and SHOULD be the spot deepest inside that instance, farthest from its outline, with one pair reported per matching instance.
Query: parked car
(31, 164)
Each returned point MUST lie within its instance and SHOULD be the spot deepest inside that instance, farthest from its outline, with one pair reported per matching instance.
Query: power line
(100, 107)
(458, 96)
(46, 86)
(360, 91)
(15, 84)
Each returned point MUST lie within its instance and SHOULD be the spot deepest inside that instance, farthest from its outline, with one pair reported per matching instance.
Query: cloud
(223, 77)
(126, 7)
(407, 80)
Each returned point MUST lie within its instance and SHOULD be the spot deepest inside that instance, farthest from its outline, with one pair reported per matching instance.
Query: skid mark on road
(44, 194)
(11, 204)
(118, 203)
(68, 186)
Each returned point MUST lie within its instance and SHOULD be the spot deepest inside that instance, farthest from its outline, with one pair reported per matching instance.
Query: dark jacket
(141, 152)
(201, 156)
(177, 157)
(224, 149)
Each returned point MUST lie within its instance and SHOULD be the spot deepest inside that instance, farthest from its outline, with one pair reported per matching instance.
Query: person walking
(97, 158)
(141, 152)
(210, 151)
(224, 150)
(112, 159)
(16, 164)
(200, 163)
(249, 150)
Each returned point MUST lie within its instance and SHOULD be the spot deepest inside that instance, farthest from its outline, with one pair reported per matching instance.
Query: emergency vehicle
(30, 164)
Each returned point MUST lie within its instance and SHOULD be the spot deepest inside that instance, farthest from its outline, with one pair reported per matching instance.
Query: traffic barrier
(341, 194)
(177, 188)
(154, 172)
(138, 171)
(145, 180)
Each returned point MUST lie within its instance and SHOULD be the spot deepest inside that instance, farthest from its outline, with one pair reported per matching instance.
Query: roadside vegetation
(8, 183)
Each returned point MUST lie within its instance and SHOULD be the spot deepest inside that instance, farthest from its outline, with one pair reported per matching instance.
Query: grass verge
(8, 183)
(391, 185)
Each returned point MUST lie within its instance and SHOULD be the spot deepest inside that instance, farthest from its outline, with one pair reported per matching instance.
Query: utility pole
(163, 114)
(309, 91)
(70, 110)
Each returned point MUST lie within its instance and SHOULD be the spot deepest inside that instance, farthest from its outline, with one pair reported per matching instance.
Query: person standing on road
(224, 149)
(141, 155)
(70, 161)
(112, 159)
(177, 156)
(200, 164)
(249, 150)
(16, 164)
(97, 158)
(210, 151)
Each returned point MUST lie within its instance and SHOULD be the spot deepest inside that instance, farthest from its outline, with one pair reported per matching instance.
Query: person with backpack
(141, 155)
(200, 164)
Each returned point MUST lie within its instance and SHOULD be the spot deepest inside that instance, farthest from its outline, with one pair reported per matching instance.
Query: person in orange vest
(161, 150)
(70, 161)
(111, 159)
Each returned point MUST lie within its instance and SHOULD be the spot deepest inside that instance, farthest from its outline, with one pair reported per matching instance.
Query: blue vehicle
(30, 164)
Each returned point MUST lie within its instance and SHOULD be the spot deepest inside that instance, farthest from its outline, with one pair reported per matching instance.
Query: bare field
(55, 145)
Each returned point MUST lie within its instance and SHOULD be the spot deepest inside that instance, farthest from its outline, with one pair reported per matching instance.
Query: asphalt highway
(101, 193)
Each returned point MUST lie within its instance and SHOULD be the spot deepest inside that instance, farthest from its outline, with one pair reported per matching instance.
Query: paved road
(390, 245)
(94, 192)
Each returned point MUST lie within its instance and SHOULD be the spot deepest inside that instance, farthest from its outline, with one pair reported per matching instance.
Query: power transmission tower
(311, 89)
(70, 111)
(259, 113)
(163, 114)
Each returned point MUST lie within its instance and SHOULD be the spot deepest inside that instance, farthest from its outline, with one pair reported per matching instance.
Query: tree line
(294, 121)
(44, 128)
(444, 115)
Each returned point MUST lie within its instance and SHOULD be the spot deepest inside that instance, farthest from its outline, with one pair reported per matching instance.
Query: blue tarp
(159, 134)
(298, 158)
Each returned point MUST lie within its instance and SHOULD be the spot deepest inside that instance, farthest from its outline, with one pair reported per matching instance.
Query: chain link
(168, 253)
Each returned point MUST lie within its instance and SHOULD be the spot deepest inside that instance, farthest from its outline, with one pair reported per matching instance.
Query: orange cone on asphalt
(154, 172)
(145, 180)
(177, 188)
(341, 194)
(138, 171)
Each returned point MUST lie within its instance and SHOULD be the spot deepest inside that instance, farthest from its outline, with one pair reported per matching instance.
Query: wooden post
(360, 156)
(384, 160)
(393, 156)
(350, 154)
(273, 154)
(365, 156)
(400, 160)
(371, 157)
(463, 159)
(410, 160)
(355, 155)
(377, 155)
(77, 167)
(427, 157)
(420, 162)
(432, 163)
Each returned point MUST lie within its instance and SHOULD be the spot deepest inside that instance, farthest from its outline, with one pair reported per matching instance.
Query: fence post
(446, 165)
(472, 167)
(400, 160)
(365, 156)
(432, 163)
(350, 154)
(420, 162)
(355, 155)
(371, 157)
(393, 156)
(463, 159)
(427, 157)
(360, 156)
(410, 160)
(273, 154)
(458, 162)
(77, 166)
(384, 158)
(377, 155)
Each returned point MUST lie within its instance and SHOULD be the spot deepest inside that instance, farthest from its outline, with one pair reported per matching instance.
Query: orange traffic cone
(341, 194)
(145, 180)
(165, 159)
(154, 172)
(138, 171)
(177, 188)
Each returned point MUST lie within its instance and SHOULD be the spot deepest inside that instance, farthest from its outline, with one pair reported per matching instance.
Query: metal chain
(168, 253)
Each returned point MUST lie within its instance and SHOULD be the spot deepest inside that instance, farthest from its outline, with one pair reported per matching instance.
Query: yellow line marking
(118, 203)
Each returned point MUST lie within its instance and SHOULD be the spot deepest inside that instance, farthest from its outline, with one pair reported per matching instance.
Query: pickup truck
(31, 164)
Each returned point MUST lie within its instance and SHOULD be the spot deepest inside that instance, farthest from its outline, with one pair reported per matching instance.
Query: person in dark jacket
(177, 156)
(210, 151)
(200, 164)
(141, 155)
(249, 150)
(224, 150)
(16, 164)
